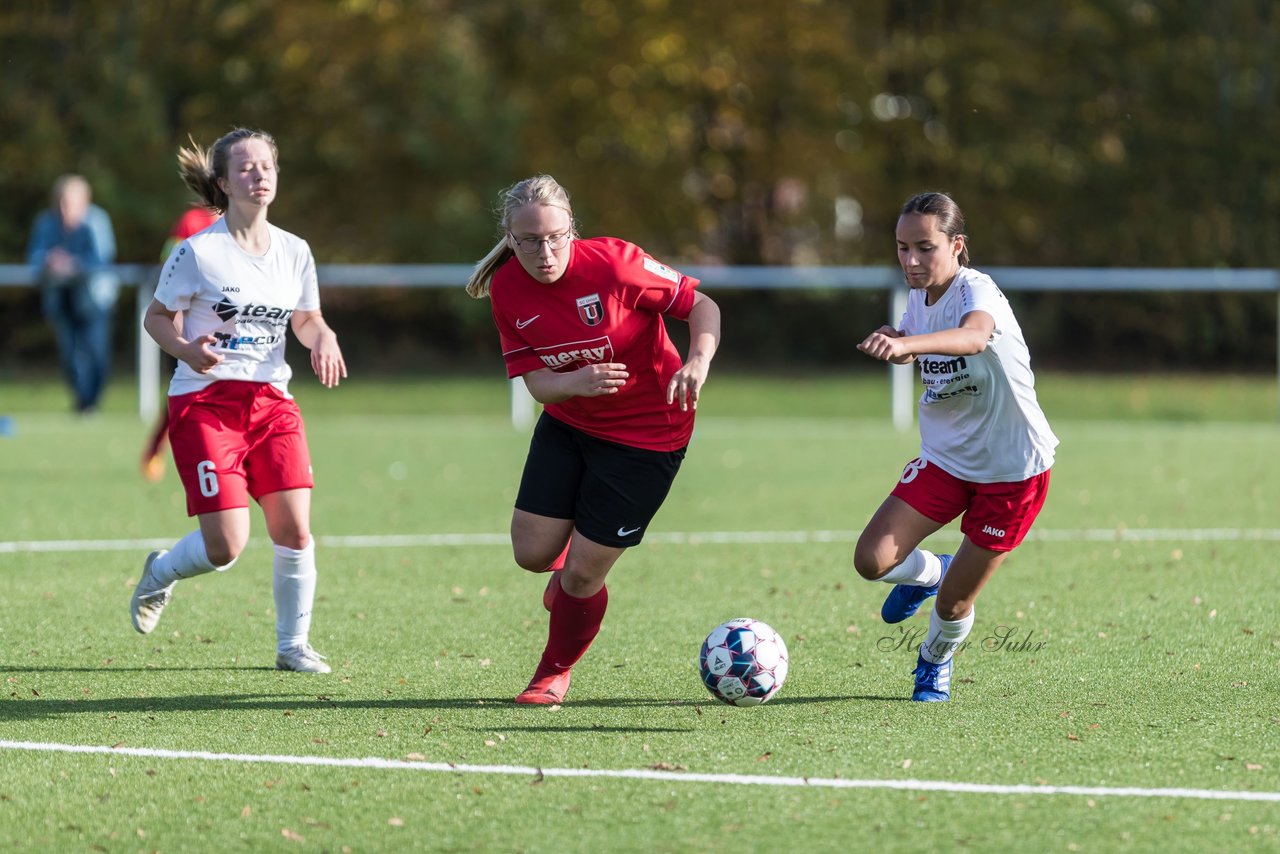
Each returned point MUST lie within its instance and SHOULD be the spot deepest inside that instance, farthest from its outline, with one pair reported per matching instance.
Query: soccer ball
(743, 662)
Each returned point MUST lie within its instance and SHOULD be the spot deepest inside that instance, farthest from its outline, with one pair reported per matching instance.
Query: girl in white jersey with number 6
(226, 298)
(985, 446)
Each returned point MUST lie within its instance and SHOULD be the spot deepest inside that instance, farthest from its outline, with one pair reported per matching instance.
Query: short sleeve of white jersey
(179, 279)
(310, 299)
(979, 293)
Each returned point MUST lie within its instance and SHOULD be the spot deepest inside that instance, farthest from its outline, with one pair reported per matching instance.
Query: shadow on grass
(708, 703)
(24, 708)
(601, 729)
(787, 701)
(144, 669)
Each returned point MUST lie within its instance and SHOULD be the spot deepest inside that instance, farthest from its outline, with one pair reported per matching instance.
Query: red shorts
(997, 516)
(234, 440)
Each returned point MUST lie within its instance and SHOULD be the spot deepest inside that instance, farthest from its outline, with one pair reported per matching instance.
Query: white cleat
(302, 659)
(149, 598)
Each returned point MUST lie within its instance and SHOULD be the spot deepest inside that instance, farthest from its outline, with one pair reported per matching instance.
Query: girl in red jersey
(226, 297)
(581, 321)
(985, 445)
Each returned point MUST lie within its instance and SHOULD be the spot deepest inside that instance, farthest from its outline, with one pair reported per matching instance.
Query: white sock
(945, 636)
(920, 569)
(293, 581)
(186, 559)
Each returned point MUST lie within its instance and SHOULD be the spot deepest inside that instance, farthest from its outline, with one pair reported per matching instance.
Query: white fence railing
(886, 278)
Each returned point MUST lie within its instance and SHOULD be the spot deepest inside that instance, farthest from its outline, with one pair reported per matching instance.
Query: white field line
(382, 541)
(647, 774)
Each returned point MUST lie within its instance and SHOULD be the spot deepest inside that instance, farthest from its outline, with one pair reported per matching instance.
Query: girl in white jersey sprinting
(985, 446)
(226, 298)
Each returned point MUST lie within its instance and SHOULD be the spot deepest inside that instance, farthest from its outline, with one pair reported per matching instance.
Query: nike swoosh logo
(521, 324)
(623, 532)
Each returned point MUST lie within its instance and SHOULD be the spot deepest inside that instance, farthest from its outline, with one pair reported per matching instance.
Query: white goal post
(883, 278)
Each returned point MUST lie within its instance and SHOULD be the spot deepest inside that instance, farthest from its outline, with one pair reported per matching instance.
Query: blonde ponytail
(196, 169)
(482, 275)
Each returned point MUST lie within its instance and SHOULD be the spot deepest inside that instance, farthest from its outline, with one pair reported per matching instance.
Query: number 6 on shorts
(208, 477)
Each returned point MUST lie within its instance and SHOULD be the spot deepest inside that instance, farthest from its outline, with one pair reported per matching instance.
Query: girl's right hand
(200, 356)
(884, 344)
(600, 379)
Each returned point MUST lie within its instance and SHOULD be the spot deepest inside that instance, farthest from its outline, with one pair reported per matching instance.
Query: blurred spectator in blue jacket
(71, 244)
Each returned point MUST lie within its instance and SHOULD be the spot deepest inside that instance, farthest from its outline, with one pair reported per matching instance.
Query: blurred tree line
(1082, 133)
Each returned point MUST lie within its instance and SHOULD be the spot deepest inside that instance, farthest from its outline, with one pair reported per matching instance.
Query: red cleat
(545, 690)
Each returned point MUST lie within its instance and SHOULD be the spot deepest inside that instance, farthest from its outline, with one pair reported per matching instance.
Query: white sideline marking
(382, 541)
(646, 774)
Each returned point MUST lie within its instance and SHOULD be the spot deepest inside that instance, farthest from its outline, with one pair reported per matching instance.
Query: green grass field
(1120, 691)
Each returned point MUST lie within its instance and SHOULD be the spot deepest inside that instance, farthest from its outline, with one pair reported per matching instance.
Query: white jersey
(979, 417)
(244, 301)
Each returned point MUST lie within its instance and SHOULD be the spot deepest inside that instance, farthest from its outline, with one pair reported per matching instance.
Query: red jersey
(607, 307)
(193, 220)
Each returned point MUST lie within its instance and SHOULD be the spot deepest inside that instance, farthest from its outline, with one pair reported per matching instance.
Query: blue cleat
(905, 599)
(933, 681)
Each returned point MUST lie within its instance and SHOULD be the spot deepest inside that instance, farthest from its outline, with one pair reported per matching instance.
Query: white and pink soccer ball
(743, 662)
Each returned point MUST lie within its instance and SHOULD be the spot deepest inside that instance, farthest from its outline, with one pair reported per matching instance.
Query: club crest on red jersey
(590, 310)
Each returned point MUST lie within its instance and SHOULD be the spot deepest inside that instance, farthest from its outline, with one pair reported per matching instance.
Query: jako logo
(995, 532)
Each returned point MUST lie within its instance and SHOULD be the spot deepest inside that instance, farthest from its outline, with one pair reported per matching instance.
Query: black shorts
(610, 491)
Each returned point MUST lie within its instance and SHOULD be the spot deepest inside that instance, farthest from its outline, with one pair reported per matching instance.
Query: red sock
(574, 625)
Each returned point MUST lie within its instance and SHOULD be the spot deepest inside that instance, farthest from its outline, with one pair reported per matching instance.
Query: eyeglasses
(530, 245)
